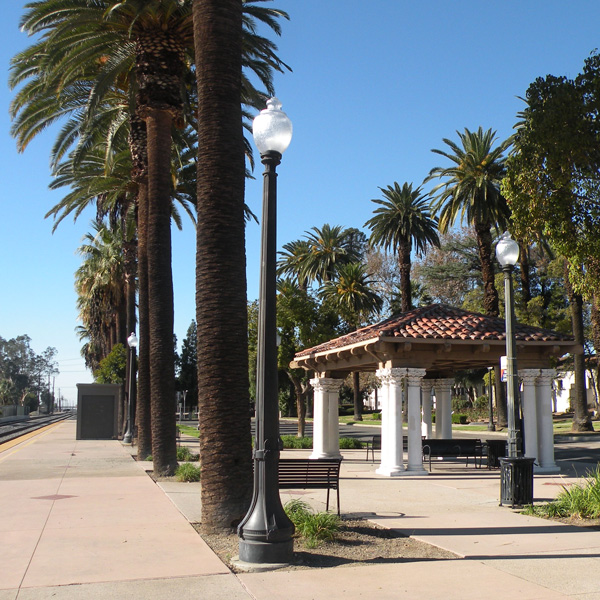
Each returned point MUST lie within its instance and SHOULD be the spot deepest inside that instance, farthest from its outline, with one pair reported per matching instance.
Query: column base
(317, 455)
(420, 470)
(551, 470)
(392, 472)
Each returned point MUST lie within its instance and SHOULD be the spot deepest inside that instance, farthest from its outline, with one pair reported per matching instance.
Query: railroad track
(15, 429)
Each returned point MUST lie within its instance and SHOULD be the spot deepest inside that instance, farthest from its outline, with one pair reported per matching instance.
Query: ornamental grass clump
(187, 473)
(313, 527)
(184, 454)
(581, 501)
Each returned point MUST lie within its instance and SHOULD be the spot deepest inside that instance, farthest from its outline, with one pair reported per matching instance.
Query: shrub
(313, 527)
(580, 501)
(350, 444)
(187, 472)
(459, 419)
(376, 416)
(291, 441)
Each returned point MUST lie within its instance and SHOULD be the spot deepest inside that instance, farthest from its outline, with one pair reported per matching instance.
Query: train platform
(83, 520)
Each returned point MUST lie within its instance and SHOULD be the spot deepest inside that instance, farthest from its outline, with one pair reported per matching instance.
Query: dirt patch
(587, 523)
(359, 542)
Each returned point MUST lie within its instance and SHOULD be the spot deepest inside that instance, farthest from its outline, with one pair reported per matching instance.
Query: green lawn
(189, 430)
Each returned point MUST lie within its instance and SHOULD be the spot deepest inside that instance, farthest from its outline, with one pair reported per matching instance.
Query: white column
(530, 417)
(426, 386)
(392, 459)
(332, 435)
(325, 418)
(545, 425)
(415, 449)
(443, 411)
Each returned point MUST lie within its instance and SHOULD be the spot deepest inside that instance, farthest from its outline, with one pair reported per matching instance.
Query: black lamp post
(507, 253)
(265, 533)
(132, 341)
(516, 476)
(491, 426)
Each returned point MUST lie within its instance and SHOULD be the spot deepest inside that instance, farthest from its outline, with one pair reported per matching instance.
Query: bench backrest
(459, 447)
(307, 473)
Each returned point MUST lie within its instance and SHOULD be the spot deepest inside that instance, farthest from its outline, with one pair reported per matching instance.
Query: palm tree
(328, 249)
(471, 192)
(352, 296)
(292, 258)
(99, 284)
(221, 311)
(403, 220)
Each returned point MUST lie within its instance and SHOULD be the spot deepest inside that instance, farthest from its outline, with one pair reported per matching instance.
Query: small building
(417, 353)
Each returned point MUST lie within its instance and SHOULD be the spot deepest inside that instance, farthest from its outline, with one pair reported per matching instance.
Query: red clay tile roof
(440, 322)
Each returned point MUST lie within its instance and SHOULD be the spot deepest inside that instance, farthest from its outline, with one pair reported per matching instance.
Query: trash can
(495, 449)
(516, 480)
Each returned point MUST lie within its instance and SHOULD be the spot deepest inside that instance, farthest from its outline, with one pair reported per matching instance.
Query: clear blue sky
(375, 86)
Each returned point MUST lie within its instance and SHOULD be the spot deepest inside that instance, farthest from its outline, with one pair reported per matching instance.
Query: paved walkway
(82, 520)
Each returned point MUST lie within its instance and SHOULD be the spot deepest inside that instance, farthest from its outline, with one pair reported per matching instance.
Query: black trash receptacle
(495, 450)
(516, 480)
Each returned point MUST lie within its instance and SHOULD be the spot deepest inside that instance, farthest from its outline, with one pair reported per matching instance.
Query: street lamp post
(507, 253)
(491, 426)
(265, 533)
(132, 341)
(516, 477)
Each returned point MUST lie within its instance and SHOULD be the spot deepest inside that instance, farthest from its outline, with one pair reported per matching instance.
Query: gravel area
(359, 542)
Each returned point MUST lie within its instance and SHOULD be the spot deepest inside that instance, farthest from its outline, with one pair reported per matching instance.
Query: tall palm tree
(402, 220)
(470, 191)
(353, 297)
(221, 312)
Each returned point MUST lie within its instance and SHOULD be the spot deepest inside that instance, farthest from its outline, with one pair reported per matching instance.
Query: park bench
(304, 473)
(453, 448)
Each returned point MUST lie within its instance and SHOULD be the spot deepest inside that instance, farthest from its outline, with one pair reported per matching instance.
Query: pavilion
(423, 348)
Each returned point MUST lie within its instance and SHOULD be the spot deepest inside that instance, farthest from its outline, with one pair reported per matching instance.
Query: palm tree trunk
(160, 293)
(221, 311)
(581, 417)
(484, 247)
(405, 264)
(130, 252)
(138, 144)
(143, 418)
(300, 392)
(357, 397)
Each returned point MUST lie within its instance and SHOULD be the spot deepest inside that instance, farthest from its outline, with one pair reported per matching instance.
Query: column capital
(415, 376)
(427, 384)
(547, 376)
(529, 376)
(443, 385)
(326, 384)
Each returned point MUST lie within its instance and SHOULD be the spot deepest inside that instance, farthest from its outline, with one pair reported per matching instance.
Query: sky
(374, 87)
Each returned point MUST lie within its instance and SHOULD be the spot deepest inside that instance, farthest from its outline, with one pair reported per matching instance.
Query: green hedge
(306, 443)
(459, 419)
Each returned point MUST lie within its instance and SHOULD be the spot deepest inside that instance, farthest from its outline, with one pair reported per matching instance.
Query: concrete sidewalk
(82, 520)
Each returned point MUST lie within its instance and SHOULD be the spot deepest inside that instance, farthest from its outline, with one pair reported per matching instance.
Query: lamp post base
(258, 552)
